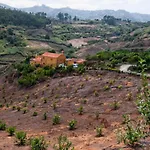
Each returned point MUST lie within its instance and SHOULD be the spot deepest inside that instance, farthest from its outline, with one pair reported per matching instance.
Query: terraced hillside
(77, 39)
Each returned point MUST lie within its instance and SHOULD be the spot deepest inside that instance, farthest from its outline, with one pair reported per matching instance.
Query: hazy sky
(141, 6)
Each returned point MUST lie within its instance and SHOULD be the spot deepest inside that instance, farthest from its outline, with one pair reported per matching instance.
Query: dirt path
(38, 45)
(125, 69)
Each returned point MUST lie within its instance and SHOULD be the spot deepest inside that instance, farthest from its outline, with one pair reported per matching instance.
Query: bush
(95, 93)
(25, 111)
(99, 131)
(72, 124)
(143, 102)
(11, 130)
(56, 119)
(33, 105)
(49, 71)
(38, 144)
(35, 114)
(80, 110)
(45, 100)
(18, 108)
(69, 69)
(2, 125)
(131, 133)
(14, 107)
(80, 69)
(119, 86)
(1, 105)
(84, 101)
(129, 96)
(63, 144)
(106, 87)
(54, 105)
(47, 37)
(45, 116)
(30, 75)
(21, 138)
(27, 80)
(25, 68)
(115, 105)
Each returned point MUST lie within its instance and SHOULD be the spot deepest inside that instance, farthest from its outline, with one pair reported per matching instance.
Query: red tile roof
(52, 55)
(37, 59)
(80, 61)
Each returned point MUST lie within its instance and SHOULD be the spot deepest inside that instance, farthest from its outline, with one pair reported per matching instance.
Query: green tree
(60, 17)
(110, 20)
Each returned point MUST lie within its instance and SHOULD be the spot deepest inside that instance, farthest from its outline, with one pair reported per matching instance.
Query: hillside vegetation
(19, 18)
(26, 35)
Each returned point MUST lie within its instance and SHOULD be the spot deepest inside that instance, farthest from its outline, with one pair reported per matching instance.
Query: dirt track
(81, 42)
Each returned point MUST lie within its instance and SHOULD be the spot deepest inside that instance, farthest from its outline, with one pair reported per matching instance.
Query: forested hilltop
(20, 18)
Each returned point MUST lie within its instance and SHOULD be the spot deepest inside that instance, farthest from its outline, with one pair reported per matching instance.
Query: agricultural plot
(95, 99)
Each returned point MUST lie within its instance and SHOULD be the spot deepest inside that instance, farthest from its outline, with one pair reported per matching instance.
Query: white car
(75, 65)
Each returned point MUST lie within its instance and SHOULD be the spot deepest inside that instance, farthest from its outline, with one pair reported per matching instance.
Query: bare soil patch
(95, 48)
(38, 45)
(69, 93)
(90, 50)
(84, 26)
(81, 42)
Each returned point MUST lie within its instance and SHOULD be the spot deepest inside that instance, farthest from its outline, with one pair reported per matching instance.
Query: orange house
(69, 61)
(49, 59)
(52, 59)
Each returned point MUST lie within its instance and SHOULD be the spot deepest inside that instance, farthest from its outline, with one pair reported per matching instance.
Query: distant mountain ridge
(86, 14)
(6, 6)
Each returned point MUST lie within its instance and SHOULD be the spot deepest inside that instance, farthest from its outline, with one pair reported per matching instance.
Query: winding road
(124, 68)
